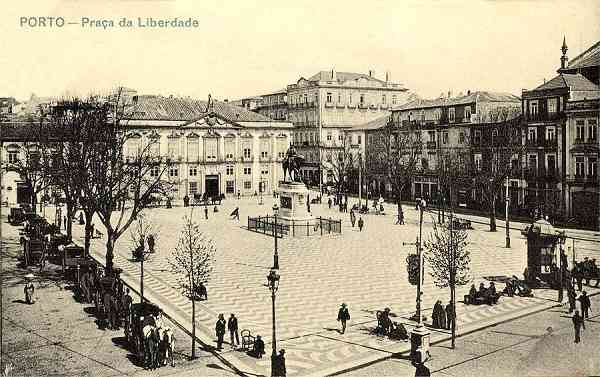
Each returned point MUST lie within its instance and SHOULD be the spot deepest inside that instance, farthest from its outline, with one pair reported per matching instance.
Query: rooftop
(341, 76)
(572, 81)
(374, 124)
(588, 58)
(479, 96)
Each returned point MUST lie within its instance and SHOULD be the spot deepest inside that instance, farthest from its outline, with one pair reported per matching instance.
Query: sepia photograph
(391, 188)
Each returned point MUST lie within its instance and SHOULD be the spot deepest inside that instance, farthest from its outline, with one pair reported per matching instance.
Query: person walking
(232, 326)
(352, 217)
(586, 305)
(206, 212)
(329, 202)
(239, 195)
(578, 323)
(29, 289)
(282, 371)
(361, 223)
(572, 297)
(343, 316)
(126, 302)
(220, 330)
(450, 316)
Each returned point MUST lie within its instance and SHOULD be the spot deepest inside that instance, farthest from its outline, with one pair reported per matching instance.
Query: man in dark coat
(578, 323)
(232, 326)
(343, 316)
(436, 315)
(352, 217)
(259, 347)
(572, 297)
(361, 223)
(450, 315)
(585, 305)
(220, 330)
(206, 212)
(126, 302)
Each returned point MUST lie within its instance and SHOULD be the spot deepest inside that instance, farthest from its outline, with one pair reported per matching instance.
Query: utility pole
(359, 180)
(452, 253)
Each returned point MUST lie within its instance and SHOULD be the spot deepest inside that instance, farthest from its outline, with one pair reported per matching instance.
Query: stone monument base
(293, 197)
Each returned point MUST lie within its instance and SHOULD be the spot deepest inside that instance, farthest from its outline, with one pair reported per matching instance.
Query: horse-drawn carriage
(34, 251)
(53, 242)
(205, 199)
(459, 223)
(16, 215)
(72, 255)
(149, 340)
(108, 297)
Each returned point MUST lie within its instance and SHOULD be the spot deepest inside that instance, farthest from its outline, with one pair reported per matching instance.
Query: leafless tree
(122, 183)
(141, 233)
(501, 150)
(340, 162)
(451, 168)
(395, 155)
(192, 263)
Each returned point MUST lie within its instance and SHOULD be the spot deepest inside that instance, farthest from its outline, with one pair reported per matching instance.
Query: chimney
(449, 94)
(388, 76)
(371, 73)
(226, 100)
(468, 92)
(333, 74)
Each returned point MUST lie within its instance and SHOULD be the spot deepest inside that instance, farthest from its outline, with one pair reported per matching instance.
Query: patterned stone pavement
(366, 270)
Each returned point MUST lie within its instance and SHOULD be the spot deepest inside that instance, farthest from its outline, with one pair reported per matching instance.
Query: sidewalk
(59, 336)
(537, 345)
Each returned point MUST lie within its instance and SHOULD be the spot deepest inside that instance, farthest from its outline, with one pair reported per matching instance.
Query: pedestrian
(206, 212)
(282, 371)
(579, 276)
(343, 316)
(308, 204)
(92, 230)
(578, 323)
(329, 202)
(220, 330)
(235, 214)
(29, 289)
(450, 316)
(352, 217)
(65, 221)
(586, 305)
(437, 315)
(81, 220)
(239, 195)
(259, 347)
(232, 326)
(126, 302)
(361, 223)
(572, 297)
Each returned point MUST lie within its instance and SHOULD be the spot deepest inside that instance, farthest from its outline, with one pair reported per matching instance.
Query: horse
(167, 346)
(151, 344)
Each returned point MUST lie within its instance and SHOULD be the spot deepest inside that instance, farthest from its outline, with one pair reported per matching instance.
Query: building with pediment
(215, 147)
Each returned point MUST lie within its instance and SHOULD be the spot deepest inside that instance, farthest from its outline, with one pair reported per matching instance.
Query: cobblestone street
(366, 270)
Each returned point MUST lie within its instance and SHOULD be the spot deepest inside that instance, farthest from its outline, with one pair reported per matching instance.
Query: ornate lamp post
(275, 254)
(507, 221)
(420, 335)
(273, 284)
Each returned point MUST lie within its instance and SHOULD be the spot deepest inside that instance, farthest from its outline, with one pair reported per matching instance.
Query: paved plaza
(366, 270)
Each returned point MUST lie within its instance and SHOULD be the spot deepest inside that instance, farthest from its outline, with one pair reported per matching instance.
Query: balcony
(340, 105)
(362, 105)
(247, 159)
(582, 179)
(543, 117)
(431, 145)
(329, 104)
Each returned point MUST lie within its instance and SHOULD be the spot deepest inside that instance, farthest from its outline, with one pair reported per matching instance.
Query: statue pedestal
(292, 203)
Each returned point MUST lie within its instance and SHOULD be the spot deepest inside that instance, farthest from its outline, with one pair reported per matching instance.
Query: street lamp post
(275, 254)
(507, 221)
(273, 284)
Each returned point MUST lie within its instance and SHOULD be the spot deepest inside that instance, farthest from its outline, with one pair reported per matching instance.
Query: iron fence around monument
(296, 228)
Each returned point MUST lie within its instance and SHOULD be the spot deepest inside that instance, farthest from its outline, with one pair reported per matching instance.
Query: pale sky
(250, 47)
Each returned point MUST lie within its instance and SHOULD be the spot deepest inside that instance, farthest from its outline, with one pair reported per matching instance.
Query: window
(359, 139)
(193, 171)
(383, 99)
(155, 171)
(154, 147)
(247, 171)
(532, 161)
(451, 114)
(445, 137)
(579, 166)
(350, 98)
(592, 130)
(550, 133)
(494, 135)
(551, 163)
(370, 139)
(339, 97)
(247, 152)
(264, 154)
(533, 107)
(393, 100)
(328, 97)
(532, 135)
(461, 137)
(477, 137)
(477, 159)
(431, 135)
(305, 98)
(362, 99)
(424, 163)
(193, 187)
(592, 166)
(173, 171)
(580, 130)
(211, 148)
(328, 135)
(340, 137)
(230, 187)
(173, 151)
(13, 157)
(247, 185)
(467, 113)
(229, 170)
(552, 104)
(329, 157)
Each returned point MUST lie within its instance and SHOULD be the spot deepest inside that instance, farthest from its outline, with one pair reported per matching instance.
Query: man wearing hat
(343, 316)
(29, 289)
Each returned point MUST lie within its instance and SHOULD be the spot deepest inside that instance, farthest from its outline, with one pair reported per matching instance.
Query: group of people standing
(361, 222)
(443, 318)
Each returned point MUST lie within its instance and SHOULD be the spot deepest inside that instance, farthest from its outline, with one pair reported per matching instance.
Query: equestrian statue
(292, 163)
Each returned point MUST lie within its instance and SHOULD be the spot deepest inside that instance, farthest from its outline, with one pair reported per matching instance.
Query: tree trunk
(193, 327)
(69, 215)
(88, 232)
(493, 214)
(110, 245)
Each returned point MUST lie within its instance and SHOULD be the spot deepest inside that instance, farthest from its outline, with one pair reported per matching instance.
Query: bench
(468, 300)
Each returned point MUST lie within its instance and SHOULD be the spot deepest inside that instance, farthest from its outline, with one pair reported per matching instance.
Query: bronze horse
(292, 163)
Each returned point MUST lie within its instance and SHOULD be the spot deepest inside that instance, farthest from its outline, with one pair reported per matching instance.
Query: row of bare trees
(77, 148)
